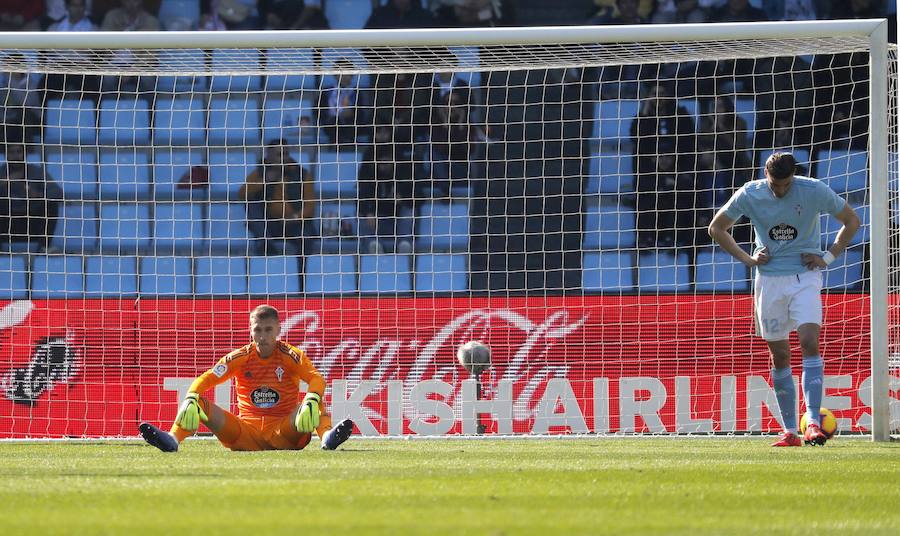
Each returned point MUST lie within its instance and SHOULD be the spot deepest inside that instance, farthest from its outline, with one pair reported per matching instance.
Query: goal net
(396, 194)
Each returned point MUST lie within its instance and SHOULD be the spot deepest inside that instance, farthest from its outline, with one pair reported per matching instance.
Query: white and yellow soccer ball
(827, 422)
(474, 356)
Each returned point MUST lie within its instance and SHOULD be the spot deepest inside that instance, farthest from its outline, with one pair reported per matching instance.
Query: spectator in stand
(680, 12)
(29, 199)
(339, 107)
(130, 17)
(292, 15)
(623, 81)
(18, 15)
(385, 207)
(796, 9)
(446, 83)
(473, 13)
(21, 96)
(737, 11)
(400, 14)
(57, 10)
(402, 101)
(626, 12)
(453, 142)
(210, 20)
(724, 134)
(280, 202)
(75, 20)
(608, 11)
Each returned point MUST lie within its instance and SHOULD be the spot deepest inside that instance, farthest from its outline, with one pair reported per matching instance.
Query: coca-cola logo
(264, 397)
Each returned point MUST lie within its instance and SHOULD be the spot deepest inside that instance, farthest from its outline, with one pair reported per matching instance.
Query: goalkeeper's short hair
(264, 312)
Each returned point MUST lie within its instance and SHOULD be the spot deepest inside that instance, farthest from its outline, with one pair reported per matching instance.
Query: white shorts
(783, 302)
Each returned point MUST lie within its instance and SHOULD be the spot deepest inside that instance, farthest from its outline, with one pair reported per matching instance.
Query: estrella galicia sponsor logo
(783, 233)
(264, 397)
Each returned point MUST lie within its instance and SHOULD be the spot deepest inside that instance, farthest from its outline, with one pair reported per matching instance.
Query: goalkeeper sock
(813, 373)
(786, 394)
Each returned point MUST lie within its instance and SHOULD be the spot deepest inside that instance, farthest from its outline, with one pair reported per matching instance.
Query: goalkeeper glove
(308, 416)
(190, 413)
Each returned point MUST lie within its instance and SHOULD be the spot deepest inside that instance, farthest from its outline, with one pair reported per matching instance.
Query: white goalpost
(397, 193)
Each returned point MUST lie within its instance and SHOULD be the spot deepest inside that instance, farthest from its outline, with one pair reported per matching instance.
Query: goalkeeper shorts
(265, 433)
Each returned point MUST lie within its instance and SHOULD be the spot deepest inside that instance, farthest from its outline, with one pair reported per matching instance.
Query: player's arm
(190, 413)
(719, 231)
(850, 220)
(307, 419)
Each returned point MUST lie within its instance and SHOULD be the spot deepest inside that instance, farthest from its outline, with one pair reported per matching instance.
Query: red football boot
(814, 435)
(788, 439)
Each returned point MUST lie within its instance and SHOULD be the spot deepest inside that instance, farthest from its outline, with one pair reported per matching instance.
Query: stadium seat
(347, 14)
(443, 227)
(692, 107)
(179, 228)
(179, 14)
(289, 60)
(124, 228)
(337, 174)
(275, 275)
(76, 228)
(13, 277)
(124, 174)
(234, 121)
(831, 226)
(846, 272)
(220, 276)
(169, 166)
(179, 121)
(330, 274)
(70, 122)
(281, 118)
(75, 170)
(124, 122)
(57, 276)
(110, 276)
(801, 155)
(718, 271)
(746, 109)
(844, 171)
(468, 57)
(611, 173)
(224, 60)
(228, 170)
(170, 276)
(663, 271)
(185, 61)
(441, 273)
(386, 273)
(607, 271)
(228, 229)
(338, 226)
(610, 227)
(613, 125)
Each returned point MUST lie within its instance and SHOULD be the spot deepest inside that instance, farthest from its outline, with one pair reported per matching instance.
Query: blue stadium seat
(281, 118)
(692, 107)
(718, 271)
(124, 122)
(57, 276)
(386, 273)
(610, 227)
(220, 276)
(443, 227)
(228, 229)
(330, 274)
(179, 228)
(347, 14)
(110, 276)
(179, 14)
(746, 108)
(70, 122)
(845, 171)
(331, 217)
(124, 174)
(337, 174)
(234, 121)
(663, 271)
(607, 271)
(801, 155)
(224, 59)
(75, 170)
(288, 59)
(614, 120)
(13, 277)
(846, 272)
(441, 273)
(179, 121)
(611, 173)
(185, 61)
(124, 228)
(275, 275)
(76, 228)
(170, 276)
(169, 166)
(467, 58)
(831, 225)
(228, 170)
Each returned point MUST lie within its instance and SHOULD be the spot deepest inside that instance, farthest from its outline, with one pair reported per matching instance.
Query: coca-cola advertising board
(583, 364)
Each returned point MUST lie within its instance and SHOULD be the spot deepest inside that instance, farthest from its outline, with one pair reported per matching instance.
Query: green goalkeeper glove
(190, 413)
(308, 416)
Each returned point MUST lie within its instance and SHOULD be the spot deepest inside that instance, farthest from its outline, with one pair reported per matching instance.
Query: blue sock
(813, 373)
(786, 394)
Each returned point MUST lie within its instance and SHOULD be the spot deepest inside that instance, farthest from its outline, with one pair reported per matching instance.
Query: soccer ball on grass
(827, 423)
(474, 356)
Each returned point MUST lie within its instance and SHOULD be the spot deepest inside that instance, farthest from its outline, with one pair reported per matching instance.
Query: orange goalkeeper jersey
(266, 387)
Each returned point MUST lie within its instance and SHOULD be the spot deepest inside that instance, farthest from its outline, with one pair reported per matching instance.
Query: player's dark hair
(264, 312)
(781, 165)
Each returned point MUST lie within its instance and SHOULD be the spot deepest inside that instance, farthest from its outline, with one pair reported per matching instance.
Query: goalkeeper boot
(336, 436)
(788, 439)
(814, 435)
(158, 438)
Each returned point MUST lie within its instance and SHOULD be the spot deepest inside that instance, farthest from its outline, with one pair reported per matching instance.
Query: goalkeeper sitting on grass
(267, 373)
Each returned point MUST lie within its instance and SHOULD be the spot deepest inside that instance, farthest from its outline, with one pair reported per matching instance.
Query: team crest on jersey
(263, 397)
(798, 208)
(783, 233)
(279, 372)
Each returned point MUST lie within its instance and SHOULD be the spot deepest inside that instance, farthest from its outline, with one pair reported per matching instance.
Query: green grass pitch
(493, 487)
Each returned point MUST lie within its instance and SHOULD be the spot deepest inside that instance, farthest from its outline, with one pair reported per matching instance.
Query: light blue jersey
(787, 226)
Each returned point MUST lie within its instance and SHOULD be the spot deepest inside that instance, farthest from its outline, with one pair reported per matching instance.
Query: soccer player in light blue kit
(784, 210)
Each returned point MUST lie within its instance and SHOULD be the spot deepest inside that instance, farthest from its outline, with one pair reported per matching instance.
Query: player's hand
(308, 416)
(813, 261)
(190, 413)
(761, 257)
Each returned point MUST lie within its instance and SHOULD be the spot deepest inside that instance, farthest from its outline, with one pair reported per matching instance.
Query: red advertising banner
(585, 364)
